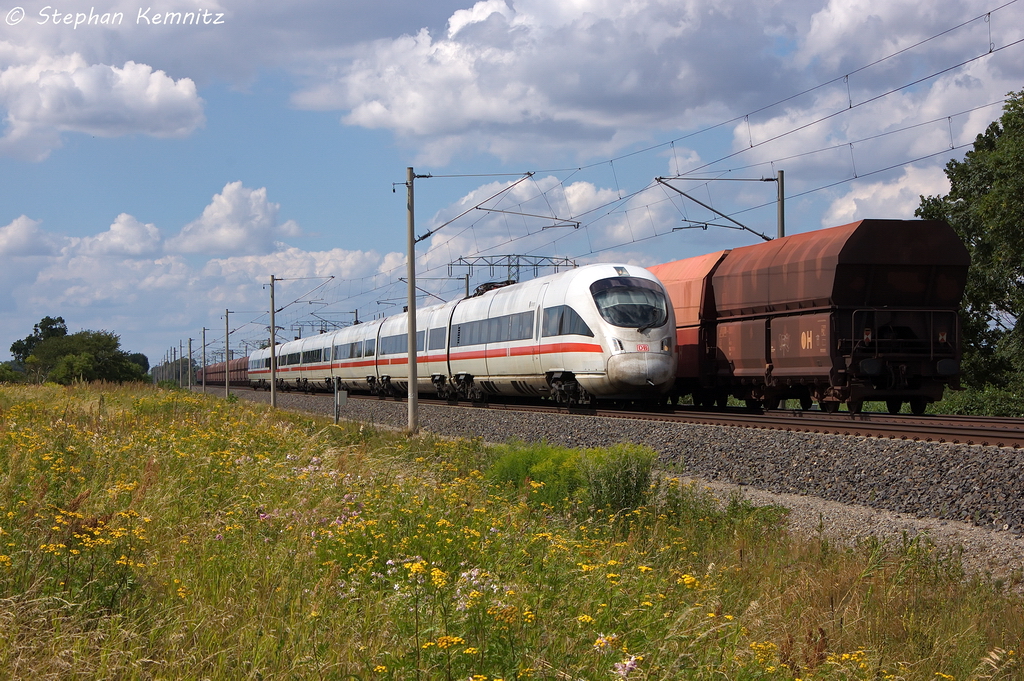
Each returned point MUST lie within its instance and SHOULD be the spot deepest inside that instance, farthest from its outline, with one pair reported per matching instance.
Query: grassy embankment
(157, 534)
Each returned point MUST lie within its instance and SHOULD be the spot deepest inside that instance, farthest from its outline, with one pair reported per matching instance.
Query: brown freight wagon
(238, 373)
(865, 311)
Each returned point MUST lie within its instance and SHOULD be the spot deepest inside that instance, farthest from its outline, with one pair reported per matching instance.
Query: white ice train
(603, 332)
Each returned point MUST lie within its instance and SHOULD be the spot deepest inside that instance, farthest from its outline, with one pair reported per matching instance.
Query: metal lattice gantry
(513, 264)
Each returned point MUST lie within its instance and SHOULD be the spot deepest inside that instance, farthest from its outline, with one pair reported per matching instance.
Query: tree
(48, 327)
(84, 356)
(141, 360)
(985, 205)
(9, 375)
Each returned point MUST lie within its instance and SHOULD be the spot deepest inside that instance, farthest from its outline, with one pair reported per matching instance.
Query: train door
(538, 358)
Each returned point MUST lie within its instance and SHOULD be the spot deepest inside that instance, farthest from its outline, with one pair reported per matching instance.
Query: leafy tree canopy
(85, 356)
(9, 375)
(51, 353)
(141, 360)
(48, 327)
(985, 205)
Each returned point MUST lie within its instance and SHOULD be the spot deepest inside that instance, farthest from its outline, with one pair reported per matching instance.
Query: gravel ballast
(847, 487)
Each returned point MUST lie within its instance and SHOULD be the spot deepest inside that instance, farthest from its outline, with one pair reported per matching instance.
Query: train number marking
(643, 347)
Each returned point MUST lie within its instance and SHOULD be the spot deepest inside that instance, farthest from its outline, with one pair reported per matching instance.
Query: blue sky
(152, 176)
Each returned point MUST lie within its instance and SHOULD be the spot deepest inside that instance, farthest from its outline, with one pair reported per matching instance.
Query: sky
(160, 160)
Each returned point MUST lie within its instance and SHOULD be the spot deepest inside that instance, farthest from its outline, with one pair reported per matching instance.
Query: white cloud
(537, 216)
(24, 238)
(79, 281)
(48, 95)
(895, 199)
(592, 73)
(295, 262)
(239, 220)
(126, 237)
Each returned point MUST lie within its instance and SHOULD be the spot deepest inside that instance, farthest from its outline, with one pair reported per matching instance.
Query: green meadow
(157, 534)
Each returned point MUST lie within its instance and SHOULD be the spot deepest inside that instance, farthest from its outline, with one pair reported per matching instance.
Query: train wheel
(753, 405)
(828, 407)
(806, 403)
(918, 405)
(894, 406)
(855, 406)
(722, 401)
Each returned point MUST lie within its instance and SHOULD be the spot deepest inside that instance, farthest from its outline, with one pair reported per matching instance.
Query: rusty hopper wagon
(865, 311)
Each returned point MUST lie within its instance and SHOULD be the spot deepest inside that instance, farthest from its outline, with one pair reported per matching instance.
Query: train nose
(630, 371)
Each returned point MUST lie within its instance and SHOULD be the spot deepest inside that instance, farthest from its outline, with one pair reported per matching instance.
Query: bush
(617, 478)
(549, 474)
(987, 401)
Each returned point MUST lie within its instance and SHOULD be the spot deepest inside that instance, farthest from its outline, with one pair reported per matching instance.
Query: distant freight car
(238, 372)
(865, 311)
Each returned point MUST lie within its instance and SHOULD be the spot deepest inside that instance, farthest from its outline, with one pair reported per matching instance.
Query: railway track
(985, 431)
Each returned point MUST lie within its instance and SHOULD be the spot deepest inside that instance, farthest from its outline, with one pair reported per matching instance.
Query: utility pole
(782, 204)
(190, 365)
(410, 176)
(273, 347)
(181, 373)
(227, 355)
(204, 360)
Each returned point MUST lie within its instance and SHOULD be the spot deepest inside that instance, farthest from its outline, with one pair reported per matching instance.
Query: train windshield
(630, 302)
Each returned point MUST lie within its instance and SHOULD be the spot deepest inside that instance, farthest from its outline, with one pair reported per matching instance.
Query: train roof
(865, 263)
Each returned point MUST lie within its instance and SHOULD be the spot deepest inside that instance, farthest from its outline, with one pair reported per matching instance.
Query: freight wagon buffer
(865, 311)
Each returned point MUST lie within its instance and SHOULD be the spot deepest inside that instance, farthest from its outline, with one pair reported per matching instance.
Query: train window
(497, 330)
(369, 347)
(573, 324)
(341, 352)
(630, 302)
(435, 339)
(521, 326)
(562, 320)
(510, 327)
(294, 358)
(392, 345)
(552, 320)
(312, 356)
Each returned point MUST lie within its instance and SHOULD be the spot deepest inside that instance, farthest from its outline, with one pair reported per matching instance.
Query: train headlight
(666, 344)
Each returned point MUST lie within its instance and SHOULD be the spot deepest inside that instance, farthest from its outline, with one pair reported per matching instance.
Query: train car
(238, 373)
(594, 332)
(864, 311)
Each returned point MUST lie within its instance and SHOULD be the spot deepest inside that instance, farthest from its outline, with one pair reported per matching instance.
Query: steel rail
(963, 430)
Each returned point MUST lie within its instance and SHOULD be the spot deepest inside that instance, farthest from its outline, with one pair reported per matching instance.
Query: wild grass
(150, 534)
